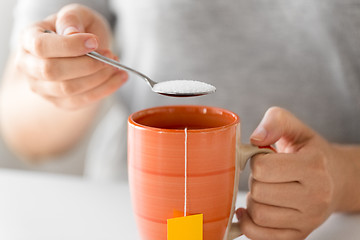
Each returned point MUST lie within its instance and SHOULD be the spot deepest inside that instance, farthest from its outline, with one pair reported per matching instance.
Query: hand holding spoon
(173, 88)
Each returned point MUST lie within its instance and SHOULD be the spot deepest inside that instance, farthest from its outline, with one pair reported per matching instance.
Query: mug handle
(243, 154)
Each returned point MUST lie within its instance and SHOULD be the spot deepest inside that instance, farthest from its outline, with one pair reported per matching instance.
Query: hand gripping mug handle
(244, 153)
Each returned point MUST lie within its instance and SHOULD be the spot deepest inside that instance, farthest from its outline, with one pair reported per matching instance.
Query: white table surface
(38, 206)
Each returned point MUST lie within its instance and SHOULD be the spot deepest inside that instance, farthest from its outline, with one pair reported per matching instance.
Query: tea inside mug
(181, 117)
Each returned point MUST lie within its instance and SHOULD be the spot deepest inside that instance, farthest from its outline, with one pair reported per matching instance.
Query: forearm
(349, 172)
(33, 127)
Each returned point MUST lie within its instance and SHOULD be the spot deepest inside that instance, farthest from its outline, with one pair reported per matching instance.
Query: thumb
(74, 18)
(71, 19)
(277, 124)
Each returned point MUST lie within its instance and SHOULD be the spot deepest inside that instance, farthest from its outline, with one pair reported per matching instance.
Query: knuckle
(325, 197)
(23, 62)
(38, 46)
(89, 97)
(56, 102)
(94, 65)
(105, 74)
(91, 66)
(255, 191)
(257, 168)
(19, 67)
(325, 188)
(48, 70)
(320, 163)
(33, 87)
(327, 193)
(115, 82)
(258, 216)
(67, 88)
(71, 103)
(276, 111)
(18, 61)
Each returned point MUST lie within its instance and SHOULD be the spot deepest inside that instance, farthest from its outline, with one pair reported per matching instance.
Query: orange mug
(165, 141)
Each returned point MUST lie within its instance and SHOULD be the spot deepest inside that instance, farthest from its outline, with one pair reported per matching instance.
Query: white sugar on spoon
(183, 88)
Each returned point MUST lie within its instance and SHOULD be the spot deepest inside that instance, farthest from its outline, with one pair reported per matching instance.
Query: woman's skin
(51, 93)
(295, 190)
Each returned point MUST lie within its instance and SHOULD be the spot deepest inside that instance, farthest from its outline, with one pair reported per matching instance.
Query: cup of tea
(186, 160)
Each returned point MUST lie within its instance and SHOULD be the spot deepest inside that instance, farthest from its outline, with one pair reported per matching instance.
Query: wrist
(347, 171)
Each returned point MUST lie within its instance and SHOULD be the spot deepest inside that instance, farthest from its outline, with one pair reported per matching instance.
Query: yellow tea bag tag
(189, 228)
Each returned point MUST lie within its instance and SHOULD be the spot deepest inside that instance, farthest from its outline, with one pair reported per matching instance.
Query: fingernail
(239, 214)
(91, 43)
(70, 30)
(259, 134)
(122, 75)
(107, 53)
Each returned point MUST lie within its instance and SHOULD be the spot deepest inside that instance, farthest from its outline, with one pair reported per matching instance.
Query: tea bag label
(189, 228)
(186, 227)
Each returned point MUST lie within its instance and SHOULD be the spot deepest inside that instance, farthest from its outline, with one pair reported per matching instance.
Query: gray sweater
(300, 55)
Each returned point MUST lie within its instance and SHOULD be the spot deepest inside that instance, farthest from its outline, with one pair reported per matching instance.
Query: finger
(92, 96)
(52, 45)
(59, 69)
(253, 231)
(71, 87)
(289, 195)
(273, 217)
(278, 123)
(73, 18)
(279, 167)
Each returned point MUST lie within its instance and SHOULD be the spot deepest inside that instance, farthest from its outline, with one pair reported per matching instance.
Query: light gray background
(7, 159)
(5, 24)
(68, 165)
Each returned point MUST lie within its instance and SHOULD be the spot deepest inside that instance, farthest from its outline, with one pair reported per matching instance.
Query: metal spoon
(173, 88)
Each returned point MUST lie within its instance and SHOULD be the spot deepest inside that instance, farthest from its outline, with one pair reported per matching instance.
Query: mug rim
(132, 121)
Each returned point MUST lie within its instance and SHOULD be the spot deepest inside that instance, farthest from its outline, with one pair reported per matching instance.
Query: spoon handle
(109, 61)
(116, 64)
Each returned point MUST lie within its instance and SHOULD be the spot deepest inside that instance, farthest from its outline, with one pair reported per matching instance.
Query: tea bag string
(185, 191)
